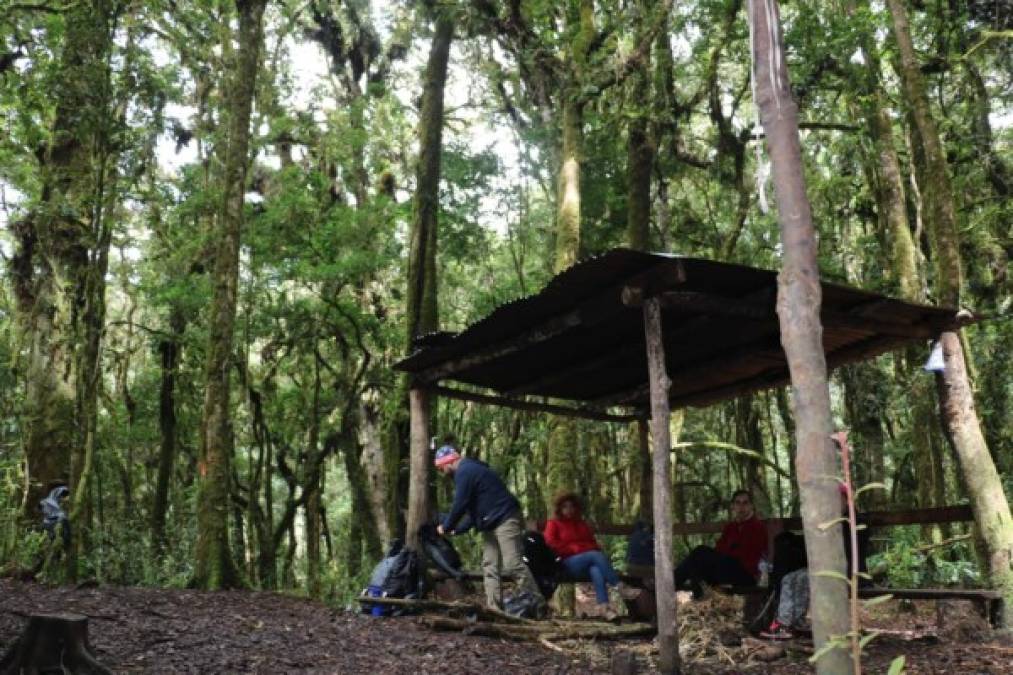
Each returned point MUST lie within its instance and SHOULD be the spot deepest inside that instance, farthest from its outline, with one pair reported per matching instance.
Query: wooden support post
(418, 477)
(664, 581)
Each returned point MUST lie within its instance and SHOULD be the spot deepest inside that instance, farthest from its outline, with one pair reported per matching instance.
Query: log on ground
(547, 631)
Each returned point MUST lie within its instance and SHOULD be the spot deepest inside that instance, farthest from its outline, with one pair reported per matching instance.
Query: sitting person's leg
(694, 567)
(600, 561)
(578, 566)
(601, 591)
(791, 607)
(728, 570)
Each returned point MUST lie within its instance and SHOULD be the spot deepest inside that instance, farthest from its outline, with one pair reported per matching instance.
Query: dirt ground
(168, 630)
(149, 630)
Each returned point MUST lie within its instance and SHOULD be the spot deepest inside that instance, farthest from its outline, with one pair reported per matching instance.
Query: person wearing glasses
(734, 560)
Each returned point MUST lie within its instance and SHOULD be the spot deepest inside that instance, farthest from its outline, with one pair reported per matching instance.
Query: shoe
(628, 592)
(609, 614)
(776, 631)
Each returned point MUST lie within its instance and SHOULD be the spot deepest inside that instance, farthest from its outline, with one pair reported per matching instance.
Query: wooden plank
(418, 485)
(664, 583)
(931, 593)
(941, 514)
(533, 406)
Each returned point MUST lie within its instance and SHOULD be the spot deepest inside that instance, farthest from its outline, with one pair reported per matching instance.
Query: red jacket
(746, 542)
(569, 536)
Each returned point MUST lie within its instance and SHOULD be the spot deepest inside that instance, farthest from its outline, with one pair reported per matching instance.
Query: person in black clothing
(481, 494)
(790, 577)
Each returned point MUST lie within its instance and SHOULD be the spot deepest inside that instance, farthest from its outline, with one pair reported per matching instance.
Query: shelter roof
(582, 337)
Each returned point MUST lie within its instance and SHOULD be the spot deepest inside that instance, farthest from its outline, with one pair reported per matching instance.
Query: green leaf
(830, 574)
(867, 639)
(877, 600)
(897, 666)
(870, 486)
(825, 649)
(827, 525)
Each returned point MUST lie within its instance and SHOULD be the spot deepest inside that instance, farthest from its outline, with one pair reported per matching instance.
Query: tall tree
(798, 309)
(956, 396)
(215, 567)
(422, 307)
(62, 252)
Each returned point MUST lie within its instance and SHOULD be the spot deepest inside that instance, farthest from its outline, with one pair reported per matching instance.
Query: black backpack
(640, 545)
(542, 561)
(440, 551)
(398, 575)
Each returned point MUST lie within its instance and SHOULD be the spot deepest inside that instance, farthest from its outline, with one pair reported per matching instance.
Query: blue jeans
(593, 565)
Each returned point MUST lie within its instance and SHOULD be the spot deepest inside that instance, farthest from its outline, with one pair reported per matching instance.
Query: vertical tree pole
(418, 486)
(664, 582)
(214, 567)
(798, 309)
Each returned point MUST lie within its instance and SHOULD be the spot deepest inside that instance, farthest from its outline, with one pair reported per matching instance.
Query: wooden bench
(989, 602)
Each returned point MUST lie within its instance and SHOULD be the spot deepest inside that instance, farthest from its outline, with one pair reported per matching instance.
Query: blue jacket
(480, 493)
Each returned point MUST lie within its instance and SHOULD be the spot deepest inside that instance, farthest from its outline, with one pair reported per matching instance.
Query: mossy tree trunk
(956, 396)
(422, 274)
(580, 20)
(215, 567)
(58, 270)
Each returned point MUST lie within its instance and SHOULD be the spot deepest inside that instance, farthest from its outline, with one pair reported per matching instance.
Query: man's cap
(447, 454)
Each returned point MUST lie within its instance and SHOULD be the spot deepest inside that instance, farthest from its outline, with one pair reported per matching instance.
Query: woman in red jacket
(572, 539)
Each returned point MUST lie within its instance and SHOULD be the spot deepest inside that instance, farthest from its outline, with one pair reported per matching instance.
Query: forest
(222, 224)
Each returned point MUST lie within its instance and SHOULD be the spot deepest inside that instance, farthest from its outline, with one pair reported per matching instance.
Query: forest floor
(171, 630)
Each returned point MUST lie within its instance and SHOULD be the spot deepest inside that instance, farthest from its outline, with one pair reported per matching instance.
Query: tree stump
(52, 643)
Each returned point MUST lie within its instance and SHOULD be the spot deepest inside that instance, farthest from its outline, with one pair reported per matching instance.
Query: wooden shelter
(631, 336)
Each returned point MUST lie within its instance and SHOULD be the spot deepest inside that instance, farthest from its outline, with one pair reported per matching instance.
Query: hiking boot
(609, 614)
(777, 631)
(628, 592)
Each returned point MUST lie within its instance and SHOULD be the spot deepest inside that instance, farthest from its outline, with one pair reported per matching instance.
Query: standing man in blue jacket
(496, 513)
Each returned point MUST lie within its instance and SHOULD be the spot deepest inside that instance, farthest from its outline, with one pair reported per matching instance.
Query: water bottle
(765, 568)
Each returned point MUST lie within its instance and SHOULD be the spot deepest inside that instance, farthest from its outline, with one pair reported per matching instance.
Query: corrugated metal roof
(576, 339)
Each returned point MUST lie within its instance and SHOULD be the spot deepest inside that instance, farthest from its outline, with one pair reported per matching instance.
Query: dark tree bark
(640, 150)
(215, 567)
(798, 308)
(169, 350)
(313, 490)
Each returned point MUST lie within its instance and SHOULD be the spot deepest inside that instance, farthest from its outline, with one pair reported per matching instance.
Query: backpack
(440, 551)
(640, 545)
(524, 605)
(398, 575)
(542, 561)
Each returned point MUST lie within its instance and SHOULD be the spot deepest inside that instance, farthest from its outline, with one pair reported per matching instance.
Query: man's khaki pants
(502, 553)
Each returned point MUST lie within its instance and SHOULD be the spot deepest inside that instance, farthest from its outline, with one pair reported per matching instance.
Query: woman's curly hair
(564, 497)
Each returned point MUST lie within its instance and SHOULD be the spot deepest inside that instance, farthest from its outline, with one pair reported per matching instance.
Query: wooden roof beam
(534, 406)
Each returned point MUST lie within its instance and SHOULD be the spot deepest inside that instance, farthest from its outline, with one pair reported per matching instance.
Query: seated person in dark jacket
(736, 557)
(790, 577)
(496, 513)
